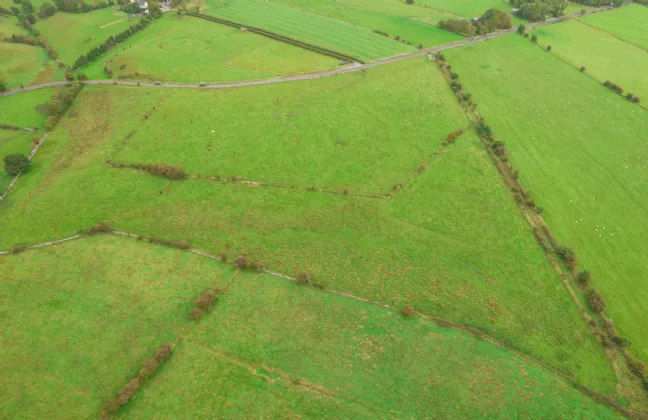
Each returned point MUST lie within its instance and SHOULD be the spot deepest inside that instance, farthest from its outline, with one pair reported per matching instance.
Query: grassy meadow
(74, 34)
(21, 110)
(449, 243)
(284, 133)
(402, 22)
(185, 49)
(333, 34)
(628, 23)
(599, 53)
(80, 318)
(259, 353)
(12, 142)
(581, 149)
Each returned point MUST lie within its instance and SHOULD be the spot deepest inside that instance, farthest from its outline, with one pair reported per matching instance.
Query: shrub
(257, 265)
(99, 228)
(630, 97)
(583, 278)
(548, 47)
(149, 367)
(69, 76)
(595, 300)
(408, 311)
(582, 69)
(128, 391)
(526, 34)
(223, 257)
(18, 249)
(34, 141)
(240, 262)
(454, 76)
(195, 314)
(303, 278)
(15, 163)
(461, 26)
(521, 29)
(621, 341)
(534, 38)
(166, 171)
(638, 367)
(566, 254)
(81, 76)
(206, 300)
(466, 96)
(163, 353)
(493, 20)
(483, 129)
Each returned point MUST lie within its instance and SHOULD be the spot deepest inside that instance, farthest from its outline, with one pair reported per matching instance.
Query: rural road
(349, 69)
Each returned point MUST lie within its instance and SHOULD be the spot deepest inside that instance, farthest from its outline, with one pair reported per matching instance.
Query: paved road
(348, 69)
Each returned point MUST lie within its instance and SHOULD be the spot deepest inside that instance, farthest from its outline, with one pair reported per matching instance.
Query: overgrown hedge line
(158, 169)
(60, 103)
(35, 41)
(277, 37)
(128, 391)
(204, 302)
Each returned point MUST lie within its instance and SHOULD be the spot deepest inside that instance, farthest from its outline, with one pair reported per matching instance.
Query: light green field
(80, 318)
(260, 353)
(74, 34)
(13, 142)
(628, 23)
(330, 133)
(601, 54)
(342, 37)
(449, 243)
(186, 49)
(470, 8)
(20, 110)
(581, 149)
(406, 27)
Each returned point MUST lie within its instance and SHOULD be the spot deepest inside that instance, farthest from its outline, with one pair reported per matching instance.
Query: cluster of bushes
(204, 302)
(452, 137)
(18, 249)
(79, 6)
(536, 10)
(492, 20)
(618, 89)
(408, 311)
(59, 104)
(158, 169)
(99, 229)
(277, 37)
(98, 51)
(128, 391)
(10, 127)
(242, 262)
(15, 164)
(594, 3)
(171, 244)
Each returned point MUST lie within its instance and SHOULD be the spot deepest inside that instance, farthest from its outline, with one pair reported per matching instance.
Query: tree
(27, 7)
(534, 38)
(3, 85)
(46, 10)
(15, 163)
(81, 76)
(521, 29)
(548, 47)
(69, 76)
(154, 9)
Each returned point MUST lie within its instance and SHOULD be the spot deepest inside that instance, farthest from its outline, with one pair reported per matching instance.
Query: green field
(581, 149)
(83, 316)
(333, 34)
(599, 53)
(283, 133)
(80, 318)
(263, 345)
(449, 243)
(21, 110)
(74, 34)
(628, 23)
(186, 49)
(403, 22)
(13, 142)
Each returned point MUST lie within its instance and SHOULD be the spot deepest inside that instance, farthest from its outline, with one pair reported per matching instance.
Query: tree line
(492, 20)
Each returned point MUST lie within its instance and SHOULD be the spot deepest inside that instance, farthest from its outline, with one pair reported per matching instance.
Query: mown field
(22, 110)
(84, 315)
(449, 243)
(23, 64)
(321, 31)
(185, 49)
(74, 34)
(581, 149)
(397, 19)
(628, 23)
(602, 55)
(333, 133)
(81, 317)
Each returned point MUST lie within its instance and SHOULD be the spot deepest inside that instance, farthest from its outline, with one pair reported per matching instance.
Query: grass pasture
(259, 353)
(186, 49)
(74, 34)
(628, 23)
(13, 142)
(81, 317)
(283, 134)
(450, 248)
(603, 56)
(21, 110)
(407, 22)
(581, 149)
(311, 28)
